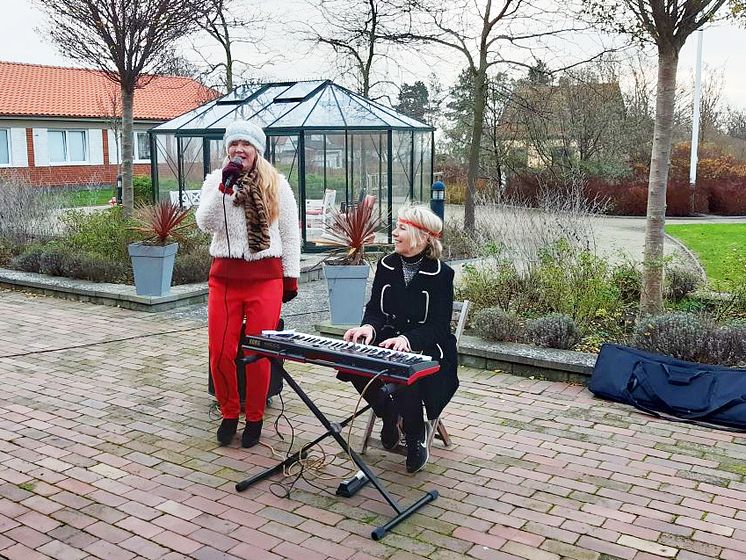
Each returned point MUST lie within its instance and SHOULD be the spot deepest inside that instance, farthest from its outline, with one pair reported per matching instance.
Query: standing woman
(410, 310)
(251, 212)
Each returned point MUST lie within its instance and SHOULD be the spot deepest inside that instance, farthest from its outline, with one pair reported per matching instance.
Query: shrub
(679, 282)
(104, 233)
(573, 282)
(8, 250)
(60, 262)
(27, 213)
(727, 345)
(457, 242)
(492, 283)
(627, 278)
(96, 269)
(28, 261)
(494, 323)
(52, 262)
(193, 266)
(681, 335)
(553, 331)
(143, 189)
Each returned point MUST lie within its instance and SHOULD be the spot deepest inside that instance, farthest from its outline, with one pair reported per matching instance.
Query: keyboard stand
(334, 429)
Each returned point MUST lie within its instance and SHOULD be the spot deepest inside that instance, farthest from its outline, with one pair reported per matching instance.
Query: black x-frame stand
(334, 429)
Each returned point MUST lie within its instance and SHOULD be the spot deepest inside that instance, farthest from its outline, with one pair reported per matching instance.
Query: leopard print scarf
(249, 195)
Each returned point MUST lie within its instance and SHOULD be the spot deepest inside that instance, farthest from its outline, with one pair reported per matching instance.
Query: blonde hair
(426, 219)
(269, 185)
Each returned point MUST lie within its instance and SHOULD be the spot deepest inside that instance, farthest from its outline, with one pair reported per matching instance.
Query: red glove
(289, 289)
(231, 173)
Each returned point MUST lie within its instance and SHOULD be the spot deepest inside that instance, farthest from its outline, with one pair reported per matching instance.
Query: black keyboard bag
(667, 387)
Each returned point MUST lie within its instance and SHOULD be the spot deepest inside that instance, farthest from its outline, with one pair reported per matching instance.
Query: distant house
(551, 124)
(61, 126)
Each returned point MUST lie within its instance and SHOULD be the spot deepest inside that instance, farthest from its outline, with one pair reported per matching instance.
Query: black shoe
(417, 451)
(227, 430)
(251, 433)
(390, 433)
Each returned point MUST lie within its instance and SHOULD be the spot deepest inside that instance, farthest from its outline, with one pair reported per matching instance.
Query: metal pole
(695, 116)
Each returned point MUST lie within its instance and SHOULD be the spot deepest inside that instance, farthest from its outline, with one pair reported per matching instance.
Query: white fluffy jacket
(284, 235)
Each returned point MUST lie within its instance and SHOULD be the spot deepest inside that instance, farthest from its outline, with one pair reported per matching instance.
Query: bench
(189, 198)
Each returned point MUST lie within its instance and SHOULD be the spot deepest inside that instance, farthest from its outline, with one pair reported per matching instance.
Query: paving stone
(107, 451)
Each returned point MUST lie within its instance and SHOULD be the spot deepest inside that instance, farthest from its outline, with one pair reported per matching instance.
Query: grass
(87, 197)
(721, 248)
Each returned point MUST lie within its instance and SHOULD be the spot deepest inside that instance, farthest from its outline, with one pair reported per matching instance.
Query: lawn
(721, 248)
(86, 197)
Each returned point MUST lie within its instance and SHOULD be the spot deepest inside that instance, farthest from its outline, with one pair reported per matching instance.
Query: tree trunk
(651, 298)
(474, 149)
(128, 194)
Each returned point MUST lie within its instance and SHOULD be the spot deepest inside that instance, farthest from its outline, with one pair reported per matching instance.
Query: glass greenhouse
(334, 146)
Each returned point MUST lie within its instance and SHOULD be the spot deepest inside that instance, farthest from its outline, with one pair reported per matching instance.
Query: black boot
(251, 433)
(390, 433)
(417, 451)
(227, 430)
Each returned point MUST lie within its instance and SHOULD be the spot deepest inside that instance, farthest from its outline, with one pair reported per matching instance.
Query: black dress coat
(422, 312)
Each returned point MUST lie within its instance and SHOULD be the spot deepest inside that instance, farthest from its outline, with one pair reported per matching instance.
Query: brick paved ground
(107, 451)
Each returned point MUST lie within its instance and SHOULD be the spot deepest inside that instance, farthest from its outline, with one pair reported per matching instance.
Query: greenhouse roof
(288, 107)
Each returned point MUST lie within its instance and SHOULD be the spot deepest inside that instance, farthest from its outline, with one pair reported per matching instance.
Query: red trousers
(228, 302)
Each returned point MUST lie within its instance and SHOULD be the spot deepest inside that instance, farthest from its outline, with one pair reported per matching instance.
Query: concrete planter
(153, 266)
(346, 288)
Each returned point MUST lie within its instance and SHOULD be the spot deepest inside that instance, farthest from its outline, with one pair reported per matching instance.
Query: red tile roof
(52, 91)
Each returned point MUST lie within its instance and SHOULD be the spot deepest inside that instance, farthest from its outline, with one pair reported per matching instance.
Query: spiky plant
(160, 222)
(352, 231)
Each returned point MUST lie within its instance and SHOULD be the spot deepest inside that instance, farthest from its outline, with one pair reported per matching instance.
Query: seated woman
(410, 310)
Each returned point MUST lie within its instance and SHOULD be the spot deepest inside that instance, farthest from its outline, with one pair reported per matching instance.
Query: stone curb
(523, 360)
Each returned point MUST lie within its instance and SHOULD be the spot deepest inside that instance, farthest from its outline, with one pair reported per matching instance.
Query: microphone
(231, 178)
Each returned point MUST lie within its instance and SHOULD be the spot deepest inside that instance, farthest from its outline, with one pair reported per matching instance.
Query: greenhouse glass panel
(207, 118)
(427, 164)
(299, 91)
(401, 170)
(217, 154)
(269, 114)
(296, 116)
(418, 190)
(357, 114)
(241, 93)
(181, 121)
(283, 153)
(168, 166)
(326, 113)
(389, 116)
(192, 166)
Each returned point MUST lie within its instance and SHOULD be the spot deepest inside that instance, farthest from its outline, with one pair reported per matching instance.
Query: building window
(142, 146)
(67, 146)
(4, 146)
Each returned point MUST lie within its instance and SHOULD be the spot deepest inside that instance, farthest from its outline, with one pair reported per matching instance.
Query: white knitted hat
(247, 131)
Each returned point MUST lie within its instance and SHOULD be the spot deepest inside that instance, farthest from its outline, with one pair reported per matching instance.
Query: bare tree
(129, 41)
(667, 25)
(359, 32)
(223, 25)
(484, 32)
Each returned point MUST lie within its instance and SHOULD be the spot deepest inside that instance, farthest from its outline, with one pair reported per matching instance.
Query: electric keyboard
(347, 357)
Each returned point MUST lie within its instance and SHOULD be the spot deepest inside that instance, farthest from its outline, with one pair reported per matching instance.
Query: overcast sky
(724, 50)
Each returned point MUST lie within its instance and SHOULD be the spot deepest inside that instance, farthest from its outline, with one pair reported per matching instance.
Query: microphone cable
(225, 305)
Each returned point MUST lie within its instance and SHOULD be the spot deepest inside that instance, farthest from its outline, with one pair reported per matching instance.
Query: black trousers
(405, 401)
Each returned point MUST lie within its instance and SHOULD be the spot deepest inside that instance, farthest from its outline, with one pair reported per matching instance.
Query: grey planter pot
(346, 287)
(153, 266)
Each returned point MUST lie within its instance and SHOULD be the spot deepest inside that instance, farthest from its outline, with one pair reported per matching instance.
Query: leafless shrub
(27, 213)
(523, 231)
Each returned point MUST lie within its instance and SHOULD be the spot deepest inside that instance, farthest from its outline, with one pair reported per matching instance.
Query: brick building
(59, 126)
